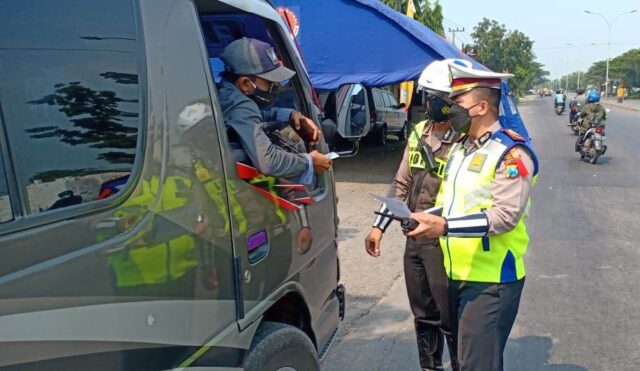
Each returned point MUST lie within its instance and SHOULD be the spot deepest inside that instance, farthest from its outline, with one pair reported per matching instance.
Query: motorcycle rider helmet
(593, 96)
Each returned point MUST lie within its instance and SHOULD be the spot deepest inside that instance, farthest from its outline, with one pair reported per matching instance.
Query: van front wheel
(277, 346)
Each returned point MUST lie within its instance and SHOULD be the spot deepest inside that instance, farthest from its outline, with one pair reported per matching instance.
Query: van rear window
(69, 95)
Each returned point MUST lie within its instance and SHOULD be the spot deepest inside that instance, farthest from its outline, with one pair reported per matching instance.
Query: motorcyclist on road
(592, 111)
(573, 107)
(560, 99)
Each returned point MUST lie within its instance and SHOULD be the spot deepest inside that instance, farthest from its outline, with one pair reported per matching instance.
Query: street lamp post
(609, 25)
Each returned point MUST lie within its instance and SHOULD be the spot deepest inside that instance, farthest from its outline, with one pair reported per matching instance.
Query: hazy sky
(552, 25)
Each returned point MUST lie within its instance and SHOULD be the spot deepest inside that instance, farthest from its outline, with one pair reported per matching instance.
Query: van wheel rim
(287, 368)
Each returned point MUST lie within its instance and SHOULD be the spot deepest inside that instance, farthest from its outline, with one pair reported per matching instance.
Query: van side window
(6, 213)
(220, 30)
(386, 98)
(377, 98)
(392, 101)
(70, 98)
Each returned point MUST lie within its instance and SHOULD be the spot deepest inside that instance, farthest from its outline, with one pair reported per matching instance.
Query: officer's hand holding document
(430, 225)
(399, 211)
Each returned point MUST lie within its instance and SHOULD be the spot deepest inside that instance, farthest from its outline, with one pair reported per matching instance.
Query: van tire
(402, 135)
(277, 345)
(381, 137)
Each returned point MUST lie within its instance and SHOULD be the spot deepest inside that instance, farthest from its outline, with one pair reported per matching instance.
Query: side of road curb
(623, 106)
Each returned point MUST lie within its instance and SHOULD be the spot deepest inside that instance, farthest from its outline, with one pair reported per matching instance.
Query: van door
(394, 113)
(116, 252)
(281, 234)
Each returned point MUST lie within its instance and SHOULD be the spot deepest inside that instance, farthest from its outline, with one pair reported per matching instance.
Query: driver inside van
(247, 92)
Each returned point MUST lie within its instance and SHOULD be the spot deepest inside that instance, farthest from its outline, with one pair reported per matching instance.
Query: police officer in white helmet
(417, 182)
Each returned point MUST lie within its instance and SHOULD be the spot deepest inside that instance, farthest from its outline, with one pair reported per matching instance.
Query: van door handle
(258, 247)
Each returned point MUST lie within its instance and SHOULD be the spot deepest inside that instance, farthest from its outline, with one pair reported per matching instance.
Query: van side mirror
(352, 111)
(401, 106)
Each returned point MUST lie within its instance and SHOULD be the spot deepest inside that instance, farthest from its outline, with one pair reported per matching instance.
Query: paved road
(580, 308)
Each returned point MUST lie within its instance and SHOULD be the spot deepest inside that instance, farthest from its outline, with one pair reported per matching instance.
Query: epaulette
(514, 135)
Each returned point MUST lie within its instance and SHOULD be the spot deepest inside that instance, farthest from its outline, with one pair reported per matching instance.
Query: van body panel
(145, 279)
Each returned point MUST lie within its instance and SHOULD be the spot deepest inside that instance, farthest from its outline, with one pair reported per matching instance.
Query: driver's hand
(305, 127)
(321, 162)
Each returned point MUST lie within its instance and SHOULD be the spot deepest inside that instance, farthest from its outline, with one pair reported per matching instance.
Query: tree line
(623, 70)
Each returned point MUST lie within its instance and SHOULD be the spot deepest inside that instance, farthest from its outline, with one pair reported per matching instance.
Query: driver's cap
(253, 57)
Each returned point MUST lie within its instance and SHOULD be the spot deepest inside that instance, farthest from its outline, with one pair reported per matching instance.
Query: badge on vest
(477, 162)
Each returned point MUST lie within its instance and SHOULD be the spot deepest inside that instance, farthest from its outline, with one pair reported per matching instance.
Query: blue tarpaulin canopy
(365, 41)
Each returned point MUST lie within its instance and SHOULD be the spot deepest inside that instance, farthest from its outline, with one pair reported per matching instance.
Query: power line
(452, 22)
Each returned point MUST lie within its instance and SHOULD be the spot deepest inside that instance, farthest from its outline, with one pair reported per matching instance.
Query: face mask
(460, 118)
(263, 98)
(437, 109)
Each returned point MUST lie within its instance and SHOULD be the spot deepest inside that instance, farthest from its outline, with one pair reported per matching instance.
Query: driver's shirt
(559, 98)
(245, 118)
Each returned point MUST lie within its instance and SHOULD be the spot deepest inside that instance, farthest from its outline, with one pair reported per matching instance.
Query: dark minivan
(134, 234)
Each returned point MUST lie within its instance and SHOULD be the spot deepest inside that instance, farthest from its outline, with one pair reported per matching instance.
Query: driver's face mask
(264, 98)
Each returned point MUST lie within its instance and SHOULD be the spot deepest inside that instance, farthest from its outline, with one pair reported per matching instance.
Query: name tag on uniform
(416, 160)
(477, 162)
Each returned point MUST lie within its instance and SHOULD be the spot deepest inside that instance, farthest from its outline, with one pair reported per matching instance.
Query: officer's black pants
(485, 316)
(428, 296)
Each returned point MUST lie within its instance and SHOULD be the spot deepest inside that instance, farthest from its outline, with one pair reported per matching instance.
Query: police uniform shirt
(510, 194)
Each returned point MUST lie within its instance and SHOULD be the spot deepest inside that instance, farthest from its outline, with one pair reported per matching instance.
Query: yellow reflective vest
(467, 190)
(416, 161)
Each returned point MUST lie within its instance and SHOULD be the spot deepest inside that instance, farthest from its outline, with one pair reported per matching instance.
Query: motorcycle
(559, 108)
(590, 144)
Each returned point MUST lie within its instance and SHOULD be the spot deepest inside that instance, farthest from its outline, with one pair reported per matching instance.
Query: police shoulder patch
(514, 135)
(514, 165)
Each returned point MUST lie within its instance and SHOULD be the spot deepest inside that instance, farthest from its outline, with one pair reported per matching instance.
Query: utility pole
(567, 85)
(453, 34)
(609, 25)
(578, 86)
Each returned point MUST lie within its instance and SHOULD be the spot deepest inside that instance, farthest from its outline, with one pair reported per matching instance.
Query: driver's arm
(277, 114)
(268, 158)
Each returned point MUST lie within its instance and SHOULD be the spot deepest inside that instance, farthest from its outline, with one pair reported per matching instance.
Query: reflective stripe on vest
(467, 190)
